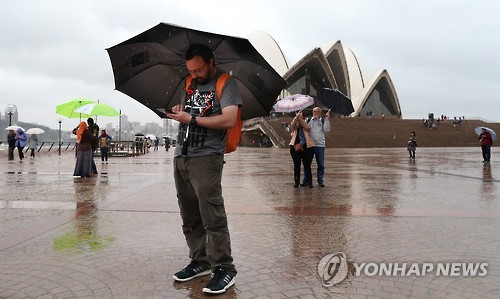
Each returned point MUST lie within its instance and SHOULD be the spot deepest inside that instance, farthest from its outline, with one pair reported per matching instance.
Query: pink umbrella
(293, 103)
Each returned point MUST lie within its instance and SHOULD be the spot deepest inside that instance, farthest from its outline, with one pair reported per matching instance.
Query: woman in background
(301, 149)
(83, 166)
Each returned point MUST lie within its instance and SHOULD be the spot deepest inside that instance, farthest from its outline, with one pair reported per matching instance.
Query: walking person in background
(412, 145)
(167, 143)
(21, 139)
(11, 140)
(319, 126)
(301, 149)
(156, 142)
(32, 145)
(486, 143)
(104, 140)
(83, 165)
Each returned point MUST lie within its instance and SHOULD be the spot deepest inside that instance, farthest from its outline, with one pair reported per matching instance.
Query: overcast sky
(442, 56)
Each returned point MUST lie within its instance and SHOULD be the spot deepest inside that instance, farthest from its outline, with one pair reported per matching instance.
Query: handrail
(270, 132)
(481, 119)
(117, 147)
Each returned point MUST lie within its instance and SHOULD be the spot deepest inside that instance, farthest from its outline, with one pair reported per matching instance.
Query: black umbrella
(151, 67)
(335, 100)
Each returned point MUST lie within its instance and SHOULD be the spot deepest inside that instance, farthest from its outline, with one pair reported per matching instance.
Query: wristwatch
(193, 121)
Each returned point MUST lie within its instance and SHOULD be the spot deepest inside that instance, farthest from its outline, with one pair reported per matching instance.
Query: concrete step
(385, 132)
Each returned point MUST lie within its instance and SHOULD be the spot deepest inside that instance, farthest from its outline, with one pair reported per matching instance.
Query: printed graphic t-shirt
(203, 102)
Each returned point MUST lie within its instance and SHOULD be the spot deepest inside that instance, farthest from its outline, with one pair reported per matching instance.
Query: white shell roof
(361, 83)
(270, 50)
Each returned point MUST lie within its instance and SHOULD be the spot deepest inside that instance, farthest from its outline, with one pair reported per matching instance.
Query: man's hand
(179, 114)
(222, 121)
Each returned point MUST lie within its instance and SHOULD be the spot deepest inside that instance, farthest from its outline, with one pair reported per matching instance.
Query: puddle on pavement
(85, 236)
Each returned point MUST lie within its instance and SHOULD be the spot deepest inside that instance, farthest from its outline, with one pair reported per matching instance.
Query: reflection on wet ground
(118, 234)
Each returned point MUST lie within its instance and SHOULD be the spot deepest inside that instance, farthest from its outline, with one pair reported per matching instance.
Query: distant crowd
(433, 123)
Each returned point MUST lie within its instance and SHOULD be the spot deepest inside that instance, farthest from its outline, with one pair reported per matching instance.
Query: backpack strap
(322, 120)
(221, 81)
(189, 79)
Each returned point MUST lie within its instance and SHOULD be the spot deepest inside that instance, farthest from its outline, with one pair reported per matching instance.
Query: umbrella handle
(185, 142)
(184, 151)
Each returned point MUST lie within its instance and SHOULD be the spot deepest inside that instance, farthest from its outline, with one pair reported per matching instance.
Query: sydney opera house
(332, 66)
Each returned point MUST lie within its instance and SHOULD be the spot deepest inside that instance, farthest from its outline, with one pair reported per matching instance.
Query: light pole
(10, 110)
(120, 126)
(59, 120)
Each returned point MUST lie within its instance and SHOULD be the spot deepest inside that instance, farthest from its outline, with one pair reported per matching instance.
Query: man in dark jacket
(11, 139)
(94, 129)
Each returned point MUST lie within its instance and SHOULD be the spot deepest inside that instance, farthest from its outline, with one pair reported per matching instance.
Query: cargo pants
(204, 220)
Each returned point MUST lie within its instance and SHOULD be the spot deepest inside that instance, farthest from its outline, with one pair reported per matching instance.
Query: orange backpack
(234, 133)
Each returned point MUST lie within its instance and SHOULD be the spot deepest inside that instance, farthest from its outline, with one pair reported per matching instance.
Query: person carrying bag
(301, 149)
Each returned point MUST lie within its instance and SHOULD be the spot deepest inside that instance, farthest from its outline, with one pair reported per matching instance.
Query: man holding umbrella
(198, 170)
(319, 126)
(486, 141)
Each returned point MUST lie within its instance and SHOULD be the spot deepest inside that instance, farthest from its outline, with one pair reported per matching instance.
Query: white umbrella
(35, 131)
(153, 137)
(480, 129)
(13, 128)
(293, 103)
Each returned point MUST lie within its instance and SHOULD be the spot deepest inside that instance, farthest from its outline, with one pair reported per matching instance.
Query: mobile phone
(165, 110)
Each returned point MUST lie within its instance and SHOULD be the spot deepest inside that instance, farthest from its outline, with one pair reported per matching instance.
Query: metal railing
(116, 148)
(265, 127)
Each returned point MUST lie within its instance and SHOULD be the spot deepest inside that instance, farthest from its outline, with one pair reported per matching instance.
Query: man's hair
(90, 121)
(200, 50)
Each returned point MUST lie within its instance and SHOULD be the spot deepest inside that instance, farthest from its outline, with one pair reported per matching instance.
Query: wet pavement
(118, 234)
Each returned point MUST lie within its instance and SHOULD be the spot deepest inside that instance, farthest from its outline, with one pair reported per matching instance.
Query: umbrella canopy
(336, 101)
(68, 108)
(151, 136)
(293, 103)
(151, 68)
(35, 131)
(97, 109)
(13, 128)
(479, 130)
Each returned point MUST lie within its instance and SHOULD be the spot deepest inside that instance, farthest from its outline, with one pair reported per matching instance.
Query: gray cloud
(442, 55)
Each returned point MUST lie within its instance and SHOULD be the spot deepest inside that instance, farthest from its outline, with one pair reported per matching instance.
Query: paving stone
(118, 234)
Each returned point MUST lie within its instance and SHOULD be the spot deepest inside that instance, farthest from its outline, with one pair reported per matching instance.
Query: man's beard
(202, 81)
